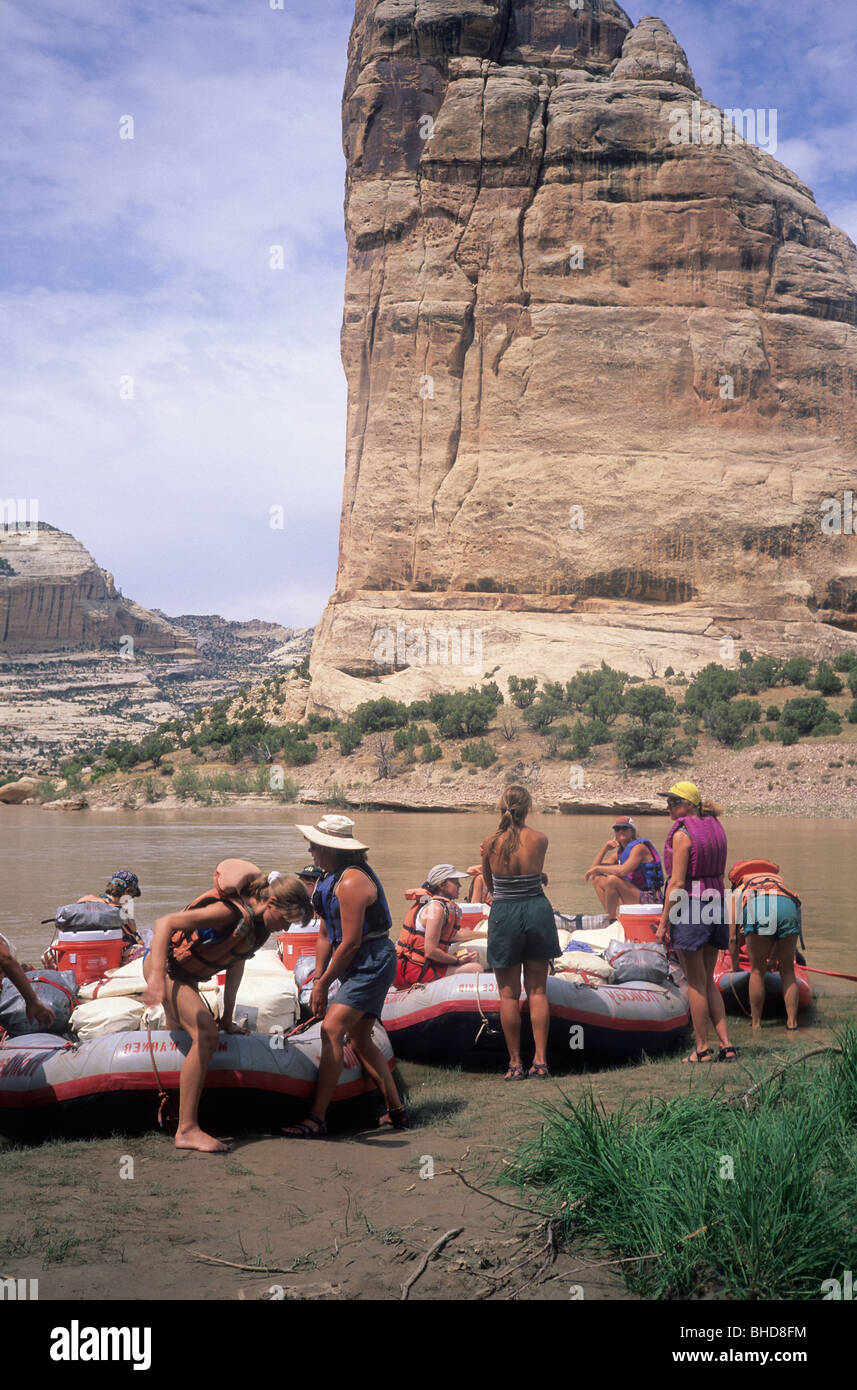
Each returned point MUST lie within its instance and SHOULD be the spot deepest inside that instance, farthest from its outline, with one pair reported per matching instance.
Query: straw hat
(332, 831)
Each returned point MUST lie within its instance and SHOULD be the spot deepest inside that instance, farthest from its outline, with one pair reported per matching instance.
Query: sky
(162, 387)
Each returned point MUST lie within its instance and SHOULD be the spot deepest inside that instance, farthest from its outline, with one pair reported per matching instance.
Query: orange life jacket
(765, 883)
(202, 952)
(411, 944)
(745, 867)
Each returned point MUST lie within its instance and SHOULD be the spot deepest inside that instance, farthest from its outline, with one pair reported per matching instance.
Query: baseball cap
(685, 791)
(128, 881)
(441, 872)
(310, 871)
(623, 823)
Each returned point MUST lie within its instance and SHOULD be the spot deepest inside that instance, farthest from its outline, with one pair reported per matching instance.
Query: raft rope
(164, 1116)
(486, 1026)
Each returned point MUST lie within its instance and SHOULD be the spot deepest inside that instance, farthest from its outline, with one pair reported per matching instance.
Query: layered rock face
(53, 595)
(601, 355)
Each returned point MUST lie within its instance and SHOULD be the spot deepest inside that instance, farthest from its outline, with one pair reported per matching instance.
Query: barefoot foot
(202, 1142)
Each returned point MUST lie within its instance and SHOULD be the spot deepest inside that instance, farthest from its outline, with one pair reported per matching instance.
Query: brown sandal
(395, 1119)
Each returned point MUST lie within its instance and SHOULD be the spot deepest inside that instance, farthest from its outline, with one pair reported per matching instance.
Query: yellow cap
(687, 791)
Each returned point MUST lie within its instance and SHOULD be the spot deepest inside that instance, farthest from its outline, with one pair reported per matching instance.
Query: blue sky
(149, 258)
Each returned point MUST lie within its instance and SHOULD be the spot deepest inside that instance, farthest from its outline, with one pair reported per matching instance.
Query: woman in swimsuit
(521, 927)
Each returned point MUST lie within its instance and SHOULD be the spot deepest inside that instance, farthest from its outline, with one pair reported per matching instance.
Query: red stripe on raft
(619, 1025)
(139, 1081)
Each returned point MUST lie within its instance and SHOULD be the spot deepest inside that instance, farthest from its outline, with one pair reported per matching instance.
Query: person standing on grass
(695, 920)
(522, 931)
(353, 947)
(768, 915)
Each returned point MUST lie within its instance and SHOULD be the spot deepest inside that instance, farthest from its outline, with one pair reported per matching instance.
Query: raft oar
(814, 970)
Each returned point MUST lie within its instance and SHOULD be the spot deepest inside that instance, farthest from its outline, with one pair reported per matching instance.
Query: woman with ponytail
(521, 927)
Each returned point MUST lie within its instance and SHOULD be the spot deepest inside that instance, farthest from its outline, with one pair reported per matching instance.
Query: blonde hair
(515, 805)
(287, 891)
(709, 808)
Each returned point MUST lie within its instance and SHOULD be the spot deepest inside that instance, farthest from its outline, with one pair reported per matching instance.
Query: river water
(52, 857)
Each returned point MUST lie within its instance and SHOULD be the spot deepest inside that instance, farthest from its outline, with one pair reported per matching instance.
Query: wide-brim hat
(334, 832)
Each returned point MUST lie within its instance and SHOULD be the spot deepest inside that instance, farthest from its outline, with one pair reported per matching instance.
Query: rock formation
(53, 595)
(601, 356)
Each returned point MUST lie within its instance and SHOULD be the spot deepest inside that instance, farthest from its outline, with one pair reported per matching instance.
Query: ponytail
(515, 805)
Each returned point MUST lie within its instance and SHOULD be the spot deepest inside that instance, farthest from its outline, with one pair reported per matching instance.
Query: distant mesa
(53, 595)
(606, 374)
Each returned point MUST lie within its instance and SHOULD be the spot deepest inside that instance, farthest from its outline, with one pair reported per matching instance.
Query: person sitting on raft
(627, 869)
(432, 928)
(309, 877)
(477, 892)
(767, 912)
(122, 887)
(219, 930)
(353, 947)
(37, 1013)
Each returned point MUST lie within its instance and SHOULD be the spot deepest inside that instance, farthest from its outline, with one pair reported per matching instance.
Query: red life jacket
(411, 944)
(204, 951)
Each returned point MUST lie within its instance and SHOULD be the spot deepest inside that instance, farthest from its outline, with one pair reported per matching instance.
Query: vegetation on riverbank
(598, 730)
(751, 1197)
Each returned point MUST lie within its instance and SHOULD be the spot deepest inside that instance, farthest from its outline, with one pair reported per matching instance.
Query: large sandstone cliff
(600, 382)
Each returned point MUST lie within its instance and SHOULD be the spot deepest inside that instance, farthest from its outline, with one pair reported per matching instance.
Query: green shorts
(521, 929)
(770, 914)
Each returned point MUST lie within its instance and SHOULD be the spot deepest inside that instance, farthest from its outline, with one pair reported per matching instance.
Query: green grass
(650, 1181)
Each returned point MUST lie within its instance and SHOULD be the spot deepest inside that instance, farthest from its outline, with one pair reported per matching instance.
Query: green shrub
(669, 673)
(761, 674)
(797, 670)
(651, 744)
(462, 715)
(646, 702)
(772, 712)
(546, 710)
(710, 686)
(807, 714)
(851, 712)
(379, 716)
(826, 681)
(481, 753)
(349, 737)
(186, 783)
(431, 753)
(845, 662)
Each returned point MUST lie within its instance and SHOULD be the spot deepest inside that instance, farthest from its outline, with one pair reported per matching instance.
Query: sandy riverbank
(348, 1218)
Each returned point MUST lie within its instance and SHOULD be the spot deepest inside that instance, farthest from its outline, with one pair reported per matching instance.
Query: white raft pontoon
(49, 1086)
(592, 1019)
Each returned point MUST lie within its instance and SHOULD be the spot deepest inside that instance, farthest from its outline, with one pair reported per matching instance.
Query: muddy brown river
(52, 857)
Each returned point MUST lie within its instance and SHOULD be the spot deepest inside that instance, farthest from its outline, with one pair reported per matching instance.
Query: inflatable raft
(52, 1087)
(734, 985)
(457, 1020)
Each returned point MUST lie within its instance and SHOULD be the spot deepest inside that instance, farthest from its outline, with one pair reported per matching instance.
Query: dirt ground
(348, 1218)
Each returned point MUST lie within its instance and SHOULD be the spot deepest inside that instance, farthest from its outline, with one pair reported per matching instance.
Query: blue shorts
(777, 916)
(365, 983)
(699, 923)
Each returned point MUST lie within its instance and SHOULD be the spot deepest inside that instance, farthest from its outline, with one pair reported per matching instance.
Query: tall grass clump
(712, 1196)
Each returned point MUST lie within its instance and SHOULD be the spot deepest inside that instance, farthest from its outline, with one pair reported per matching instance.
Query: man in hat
(627, 869)
(353, 947)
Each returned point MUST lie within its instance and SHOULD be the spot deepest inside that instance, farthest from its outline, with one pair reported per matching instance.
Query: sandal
(728, 1054)
(703, 1056)
(310, 1128)
(540, 1070)
(796, 1028)
(395, 1119)
(515, 1074)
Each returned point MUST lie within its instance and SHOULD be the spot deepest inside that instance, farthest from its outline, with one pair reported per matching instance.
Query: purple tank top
(707, 863)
